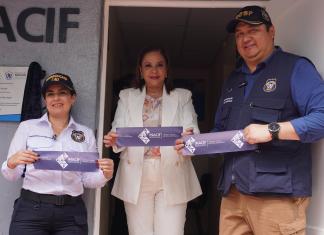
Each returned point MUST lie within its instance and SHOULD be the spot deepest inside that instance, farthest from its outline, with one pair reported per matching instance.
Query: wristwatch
(274, 129)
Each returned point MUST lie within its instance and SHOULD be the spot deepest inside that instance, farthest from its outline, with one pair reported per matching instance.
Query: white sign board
(12, 87)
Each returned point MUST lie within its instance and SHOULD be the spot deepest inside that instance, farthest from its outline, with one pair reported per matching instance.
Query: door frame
(104, 59)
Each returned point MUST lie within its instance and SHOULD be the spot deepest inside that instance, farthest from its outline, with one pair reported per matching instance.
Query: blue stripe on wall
(10, 118)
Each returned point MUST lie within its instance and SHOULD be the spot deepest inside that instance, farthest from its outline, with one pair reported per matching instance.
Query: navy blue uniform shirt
(307, 89)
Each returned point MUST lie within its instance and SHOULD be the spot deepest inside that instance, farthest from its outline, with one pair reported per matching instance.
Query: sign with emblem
(148, 136)
(12, 87)
(67, 161)
(270, 85)
(217, 142)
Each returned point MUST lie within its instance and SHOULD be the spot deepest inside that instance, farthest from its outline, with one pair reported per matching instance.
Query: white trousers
(151, 215)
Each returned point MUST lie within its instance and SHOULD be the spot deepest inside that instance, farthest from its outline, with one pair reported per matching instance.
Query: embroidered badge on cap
(270, 85)
(78, 136)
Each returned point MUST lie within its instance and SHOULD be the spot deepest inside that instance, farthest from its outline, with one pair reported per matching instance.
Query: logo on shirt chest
(78, 136)
(270, 85)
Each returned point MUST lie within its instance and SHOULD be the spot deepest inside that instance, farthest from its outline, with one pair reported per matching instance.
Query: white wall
(299, 29)
(78, 57)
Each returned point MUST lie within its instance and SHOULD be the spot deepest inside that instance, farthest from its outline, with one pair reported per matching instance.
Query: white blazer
(180, 182)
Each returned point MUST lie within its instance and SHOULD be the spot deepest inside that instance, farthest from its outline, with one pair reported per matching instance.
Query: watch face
(274, 127)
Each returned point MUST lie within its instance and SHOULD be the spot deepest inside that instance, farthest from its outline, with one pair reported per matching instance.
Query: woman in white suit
(155, 183)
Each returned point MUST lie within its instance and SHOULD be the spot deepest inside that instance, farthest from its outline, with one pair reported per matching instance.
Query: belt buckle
(59, 200)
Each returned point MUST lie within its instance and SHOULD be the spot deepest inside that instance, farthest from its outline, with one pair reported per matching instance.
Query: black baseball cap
(254, 15)
(58, 79)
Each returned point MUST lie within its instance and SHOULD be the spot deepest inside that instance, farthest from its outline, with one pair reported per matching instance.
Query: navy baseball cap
(58, 79)
(253, 15)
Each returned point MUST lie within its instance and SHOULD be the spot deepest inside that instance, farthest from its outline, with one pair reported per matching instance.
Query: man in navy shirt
(278, 99)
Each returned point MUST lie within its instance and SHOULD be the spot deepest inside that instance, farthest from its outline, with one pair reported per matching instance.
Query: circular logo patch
(78, 136)
(270, 85)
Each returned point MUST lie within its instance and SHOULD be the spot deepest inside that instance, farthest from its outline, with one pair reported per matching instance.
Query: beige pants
(151, 215)
(267, 215)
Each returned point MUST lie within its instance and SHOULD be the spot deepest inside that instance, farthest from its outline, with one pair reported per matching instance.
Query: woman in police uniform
(50, 200)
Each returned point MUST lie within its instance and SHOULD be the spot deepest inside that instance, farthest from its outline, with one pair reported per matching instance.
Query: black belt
(59, 200)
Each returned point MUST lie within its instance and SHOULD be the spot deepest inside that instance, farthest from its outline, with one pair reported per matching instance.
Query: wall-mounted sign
(12, 87)
(48, 15)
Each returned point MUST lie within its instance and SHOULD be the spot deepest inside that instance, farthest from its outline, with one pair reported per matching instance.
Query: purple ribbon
(67, 161)
(216, 142)
(148, 136)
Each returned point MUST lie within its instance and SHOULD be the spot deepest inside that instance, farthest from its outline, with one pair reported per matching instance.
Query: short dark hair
(268, 26)
(139, 82)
